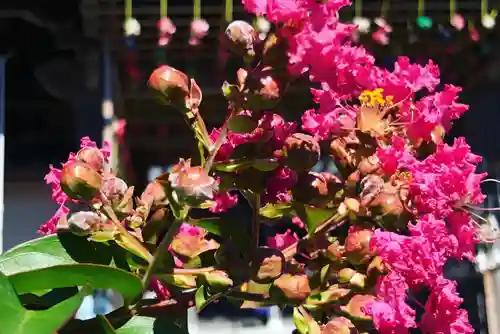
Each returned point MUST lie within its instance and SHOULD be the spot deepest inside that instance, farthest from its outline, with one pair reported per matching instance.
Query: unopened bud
(84, 222)
(352, 277)
(80, 181)
(192, 181)
(91, 156)
(294, 287)
(264, 90)
(357, 246)
(339, 325)
(267, 265)
(335, 251)
(302, 152)
(218, 280)
(114, 187)
(313, 188)
(171, 83)
(355, 307)
(241, 38)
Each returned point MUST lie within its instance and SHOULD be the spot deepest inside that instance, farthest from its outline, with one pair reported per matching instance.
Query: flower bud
(389, 204)
(339, 325)
(114, 187)
(335, 252)
(352, 277)
(294, 287)
(241, 38)
(218, 280)
(357, 246)
(172, 84)
(264, 90)
(192, 181)
(91, 156)
(355, 307)
(80, 181)
(267, 265)
(315, 188)
(84, 222)
(302, 152)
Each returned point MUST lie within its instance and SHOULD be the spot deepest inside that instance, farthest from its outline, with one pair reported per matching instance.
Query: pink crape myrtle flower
(271, 127)
(50, 227)
(282, 240)
(446, 180)
(279, 185)
(223, 202)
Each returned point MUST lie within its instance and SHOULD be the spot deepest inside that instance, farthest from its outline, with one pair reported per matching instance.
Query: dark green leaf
(97, 276)
(15, 319)
(212, 225)
(242, 124)
(265, 165)
(49, 299)
(64, 248)
(311, 216)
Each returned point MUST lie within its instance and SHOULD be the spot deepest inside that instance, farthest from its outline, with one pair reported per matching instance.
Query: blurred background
(74, 68)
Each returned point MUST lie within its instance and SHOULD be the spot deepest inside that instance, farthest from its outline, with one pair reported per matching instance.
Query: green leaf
(97, 276)
(274, 211)
(15, 319)
(265, 165)
(64, 248)
(166, 324)
(200, 298)
(212, 225)
(106, 326)
(232, 166)
(313, 217)
(242, 124)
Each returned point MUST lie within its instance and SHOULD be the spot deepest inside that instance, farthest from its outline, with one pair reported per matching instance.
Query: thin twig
(114, 219)
(160, 252)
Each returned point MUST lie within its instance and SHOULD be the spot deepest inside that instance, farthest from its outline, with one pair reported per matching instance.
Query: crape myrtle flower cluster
(374, 234)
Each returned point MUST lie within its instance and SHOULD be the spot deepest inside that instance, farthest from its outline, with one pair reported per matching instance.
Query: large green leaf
(15, 319)
(64, 248)
(61, 276)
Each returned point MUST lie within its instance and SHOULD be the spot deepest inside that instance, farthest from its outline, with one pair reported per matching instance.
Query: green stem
(160, 252)
(133, 241)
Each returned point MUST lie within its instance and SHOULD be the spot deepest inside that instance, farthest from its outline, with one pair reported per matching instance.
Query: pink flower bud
(267, 265)
(293, 286)
(172, 84)
(357, 246)
(91, 156)
(302, 152)
(192, 181)
(80, 181)
(84, 222)
(338, 325)
(241, 38)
